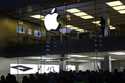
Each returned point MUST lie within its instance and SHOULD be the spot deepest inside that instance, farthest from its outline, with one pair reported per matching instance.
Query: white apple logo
(50, 20)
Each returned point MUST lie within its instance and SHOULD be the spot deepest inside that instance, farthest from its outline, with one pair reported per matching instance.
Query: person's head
(123, 70)
(115, 70)
(2, 77)
(25, 77)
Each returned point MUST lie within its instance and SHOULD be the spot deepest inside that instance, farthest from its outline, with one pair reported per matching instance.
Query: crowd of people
(69, 77)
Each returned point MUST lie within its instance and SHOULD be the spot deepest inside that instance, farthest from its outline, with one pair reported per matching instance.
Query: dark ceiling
(12, 6)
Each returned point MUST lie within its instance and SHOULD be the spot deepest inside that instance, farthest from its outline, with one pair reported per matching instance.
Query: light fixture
(98, 58)
(38, 58)
(98, 23)
(75, 60)
(121, 11)
(75, 28)
(49, 60)
(71, 27)
(81, 61)
(113, 59)
(117, 53)
(37, 17)
(118, 6)
(87, 17)
(112, 27)
(77, 56)
(73, 10)
(80, 30)
(121, 7)
(114, 3)
(79, 13)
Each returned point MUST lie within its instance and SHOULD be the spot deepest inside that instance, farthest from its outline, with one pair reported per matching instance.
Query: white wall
(93, 66)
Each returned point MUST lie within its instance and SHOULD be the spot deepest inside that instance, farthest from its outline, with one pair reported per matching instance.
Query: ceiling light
(37, 58)
(75, 28)
(71, 27)
(122, 11)
(74, 10)
(48, 60)
(114, 3)
(78, 56)
(113, 59)
(87, 17)
(121, 7)
(74, 60)
(80, 30)
(117, 53)
(81, 60)
(118, 6)
(37, 16)
(80, 14)
(112, 27)
(32, 57)
(99, 58)
(98, 23)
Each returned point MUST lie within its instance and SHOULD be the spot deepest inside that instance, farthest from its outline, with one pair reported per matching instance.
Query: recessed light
(37, 16)
(75, 28)
(98, 58)
(37, 58)
(121, 11)
(73, 10)
(121, 7)
(118, 6)
(78, 56)
(114, 3)
(87, 17)
(71, 27)
(80, 30)
(80, 14)
(117, 53)
(74, 60)
(113, 59)
(98, 23)
(112, 27)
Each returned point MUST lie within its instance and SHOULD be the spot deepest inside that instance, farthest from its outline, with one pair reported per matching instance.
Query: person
(3, 80)
(25, 79)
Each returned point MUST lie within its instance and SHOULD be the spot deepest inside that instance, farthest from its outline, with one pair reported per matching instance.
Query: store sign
(20, 29)
(70, 67)
(50, 20)
(23, 68)
(37, 33)
(32, 68)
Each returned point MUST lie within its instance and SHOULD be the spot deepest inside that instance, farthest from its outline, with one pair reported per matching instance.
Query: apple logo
(50, 20)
